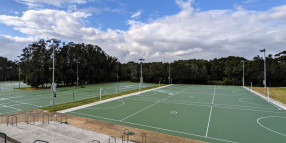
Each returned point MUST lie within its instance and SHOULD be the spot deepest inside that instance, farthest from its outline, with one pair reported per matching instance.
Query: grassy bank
(277, 93)
(91, 100)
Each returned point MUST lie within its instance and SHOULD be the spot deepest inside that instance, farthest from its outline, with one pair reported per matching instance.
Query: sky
(156, 30)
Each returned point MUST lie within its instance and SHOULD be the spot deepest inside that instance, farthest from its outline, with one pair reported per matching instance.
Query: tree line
(93, 65)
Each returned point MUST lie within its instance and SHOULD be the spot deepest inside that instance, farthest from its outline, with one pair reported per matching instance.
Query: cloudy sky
(157, 30)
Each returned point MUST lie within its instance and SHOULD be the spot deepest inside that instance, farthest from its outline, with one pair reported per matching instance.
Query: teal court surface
(219, 114)
(15, 100)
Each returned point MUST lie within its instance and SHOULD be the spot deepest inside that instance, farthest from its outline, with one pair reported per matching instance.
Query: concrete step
(54, 132)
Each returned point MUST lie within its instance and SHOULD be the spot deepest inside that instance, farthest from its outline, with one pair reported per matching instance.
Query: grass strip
(277, 93)
(92, 100)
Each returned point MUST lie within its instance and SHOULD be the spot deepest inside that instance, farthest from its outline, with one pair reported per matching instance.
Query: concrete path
(54, 132)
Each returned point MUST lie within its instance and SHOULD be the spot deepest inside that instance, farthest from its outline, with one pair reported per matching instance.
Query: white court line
(25, 103)
(89, 108)
(241, 100)
(10, 107)
(140, 111)
(272, 101)
(268, 128)
(210, 113)
(153, 104)
(155, 127)
(234, 107)
(108, 100)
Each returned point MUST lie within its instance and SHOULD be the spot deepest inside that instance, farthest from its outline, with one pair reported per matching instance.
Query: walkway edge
(275, 102)
(107, 100)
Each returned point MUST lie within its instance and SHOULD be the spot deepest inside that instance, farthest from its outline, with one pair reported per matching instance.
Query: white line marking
(25, 103)
(155, 127)
(235, 107)
(241, 100)
(209, 121)
(107, 100)
(140, 111)
(268, 128)
(89, 108)
(154, 104)
(272, 101)
(210, 113)
(193, 103)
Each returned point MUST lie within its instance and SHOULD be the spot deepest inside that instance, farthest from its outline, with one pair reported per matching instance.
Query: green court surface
(19, 100)
(218, 114)
(11, 86)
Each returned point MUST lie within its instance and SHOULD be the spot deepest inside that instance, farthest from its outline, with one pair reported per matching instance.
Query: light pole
(141, 78)
(117, 78)
(1, 77)
(251, 86)
(243, 74)
(19, 70)
(77, 72)
(53, 88)
(169, 74)
(264, 82)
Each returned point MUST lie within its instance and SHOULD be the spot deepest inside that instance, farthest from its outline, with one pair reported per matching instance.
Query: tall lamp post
(141, 78)
(169, 74)
(264, 82)
(53, 88)
(0, 83)
(117, 78)
(77, 62)
(19, 70)
(243, 74)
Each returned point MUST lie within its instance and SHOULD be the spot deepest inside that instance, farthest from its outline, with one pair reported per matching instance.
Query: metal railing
(44, 115)
(12, 116)
(54, 115)
(27, 118)
(5, 137)
(62, 119)
(144, 137)
(95, 141)
(40, 141)
(112, 137)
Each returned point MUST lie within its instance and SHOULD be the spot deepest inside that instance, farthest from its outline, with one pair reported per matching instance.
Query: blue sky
(159, 30)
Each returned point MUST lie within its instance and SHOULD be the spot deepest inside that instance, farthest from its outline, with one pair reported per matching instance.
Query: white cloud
(58, 3)
(11, 47)
(136, 14)
(185, 35)
(250, 1)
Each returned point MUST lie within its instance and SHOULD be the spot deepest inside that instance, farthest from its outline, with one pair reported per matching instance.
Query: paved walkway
(54, 132)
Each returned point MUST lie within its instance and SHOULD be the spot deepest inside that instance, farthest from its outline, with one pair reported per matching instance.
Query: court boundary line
(154, 104)
(210, 113)
(122, 103)
(246, 108)
(269, 128)
(272, 101)
(169, 130)
(107, 100)
(241, 100)
(196, 103)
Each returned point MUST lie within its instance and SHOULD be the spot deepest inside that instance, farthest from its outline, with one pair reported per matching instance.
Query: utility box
(53, 88)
